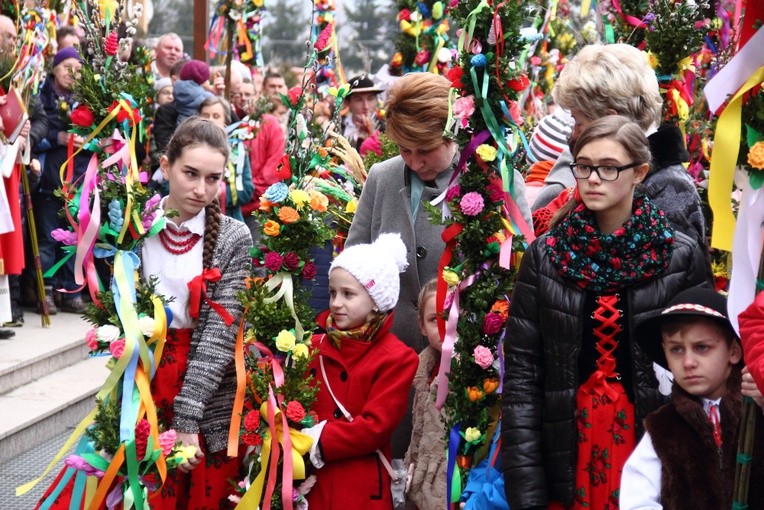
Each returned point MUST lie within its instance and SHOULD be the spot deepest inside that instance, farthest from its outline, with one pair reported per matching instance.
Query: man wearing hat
(686, 459)
(362, 121)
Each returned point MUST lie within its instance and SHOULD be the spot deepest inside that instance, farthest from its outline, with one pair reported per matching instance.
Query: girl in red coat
(365, 374)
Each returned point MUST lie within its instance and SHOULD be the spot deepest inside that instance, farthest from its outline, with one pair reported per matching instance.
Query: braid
(211, 229)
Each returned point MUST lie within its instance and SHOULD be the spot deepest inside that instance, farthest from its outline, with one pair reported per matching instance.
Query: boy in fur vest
(687, 456)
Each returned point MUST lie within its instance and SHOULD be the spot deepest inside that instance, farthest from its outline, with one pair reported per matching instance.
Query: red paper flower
(309, 271)
(455, 76)
(404, 15)
(291, 261)
(132, 115)
(294, 411)
(295, 93)
(273, 261)
(519, 84)
(111, 44)
(492, 323)
(82, 116)
(284, 170)
(251, 439)
(252, 421)
(142, 431)
(422, 58)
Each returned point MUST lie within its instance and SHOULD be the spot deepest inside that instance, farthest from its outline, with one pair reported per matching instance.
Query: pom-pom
(393, 245)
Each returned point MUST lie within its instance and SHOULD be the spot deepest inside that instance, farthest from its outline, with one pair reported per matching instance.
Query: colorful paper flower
(117, 347)
(490, 385)
(472, 434)
(277, 192)
(300, 351)
(318, 201)
(453, 192)
(288, 215)
(450, 277)
(756, 155)
(271, 228)
(309, 270)
(273, 261)
(455, 77)
(486, 152)
(285, 341)
(291, 261)
(82, 116)
(463, 108)
(146, 324)
(91, 340)
(472, 203)
(111, 44)
(483, 356)
(422, 58)
(299, 197)
(252, 421)
(492, 324)
(295, 411)
(167, 441)
(108, 333)
(478, 61)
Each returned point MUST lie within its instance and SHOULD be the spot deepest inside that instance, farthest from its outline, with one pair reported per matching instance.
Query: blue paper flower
(277, 192)
(423, 9)
(478, 61)
(115, 215)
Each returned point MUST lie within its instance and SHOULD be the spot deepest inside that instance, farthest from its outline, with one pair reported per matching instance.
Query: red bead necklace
(177, 242)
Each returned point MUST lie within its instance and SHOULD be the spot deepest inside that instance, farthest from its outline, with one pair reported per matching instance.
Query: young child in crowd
(686, 459)
(195, 382)
(576, 386)
(364, 373)
(426, 456)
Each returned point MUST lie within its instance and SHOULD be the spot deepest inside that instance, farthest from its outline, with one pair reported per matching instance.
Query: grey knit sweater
(205, 401)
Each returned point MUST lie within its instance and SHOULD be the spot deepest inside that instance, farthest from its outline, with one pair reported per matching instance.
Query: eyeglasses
(604, 172)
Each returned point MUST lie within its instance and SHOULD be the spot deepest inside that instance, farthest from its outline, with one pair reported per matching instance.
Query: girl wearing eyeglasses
(577, 385)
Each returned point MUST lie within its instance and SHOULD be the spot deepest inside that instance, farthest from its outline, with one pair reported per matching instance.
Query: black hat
(362, 84)
(700, 302)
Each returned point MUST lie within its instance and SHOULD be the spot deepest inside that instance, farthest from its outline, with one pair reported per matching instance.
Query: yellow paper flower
(258, 3)
(285, 341)
(472, 434)
(300, 351)
(450, 277)
(486, 152)
(183, 452)
(652, 59)
(351, 206)
(756, 155)
(299, 197)
(271, 228)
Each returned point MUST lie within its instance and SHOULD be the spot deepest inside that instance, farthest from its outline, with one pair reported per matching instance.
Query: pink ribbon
(89, 223)
(447, 349)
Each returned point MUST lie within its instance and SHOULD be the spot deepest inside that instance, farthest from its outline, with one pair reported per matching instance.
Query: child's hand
(190, 440)
(749, 388)
(35, 167)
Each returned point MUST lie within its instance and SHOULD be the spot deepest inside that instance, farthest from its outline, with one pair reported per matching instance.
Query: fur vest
(694, 472)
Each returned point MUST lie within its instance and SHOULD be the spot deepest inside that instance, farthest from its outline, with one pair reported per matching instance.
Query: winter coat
(55, 154)
(694, 473)
(544, 334)
(372, 380)
(427, 450)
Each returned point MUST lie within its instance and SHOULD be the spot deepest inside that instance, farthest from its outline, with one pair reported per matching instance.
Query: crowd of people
(621, 366)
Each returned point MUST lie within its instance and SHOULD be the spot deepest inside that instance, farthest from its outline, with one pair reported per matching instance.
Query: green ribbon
(70, 251)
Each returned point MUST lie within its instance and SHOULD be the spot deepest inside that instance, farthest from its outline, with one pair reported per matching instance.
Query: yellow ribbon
(301, 444)
(723, 159)
(682, 109)
(78, 431)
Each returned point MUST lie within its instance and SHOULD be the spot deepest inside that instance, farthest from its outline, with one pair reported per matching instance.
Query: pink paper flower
(492, 323)
(323, 38)
(422, 58)
(117, 347)
(167, 441)
(91, 340)
(483, 356)
(80, 464)
(464, 107)
(472, 203)
(515, 113)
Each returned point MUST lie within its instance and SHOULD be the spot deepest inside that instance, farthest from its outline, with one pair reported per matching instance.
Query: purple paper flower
(472, 203)
(65, 237)
(273, 261)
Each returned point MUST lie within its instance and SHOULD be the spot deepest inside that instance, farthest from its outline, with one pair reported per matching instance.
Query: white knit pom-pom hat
(376, 266)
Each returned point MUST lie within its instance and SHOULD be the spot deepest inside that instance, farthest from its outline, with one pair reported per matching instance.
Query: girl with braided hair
(200, 259)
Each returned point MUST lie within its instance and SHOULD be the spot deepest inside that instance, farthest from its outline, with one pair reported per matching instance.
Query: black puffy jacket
(544, 334)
